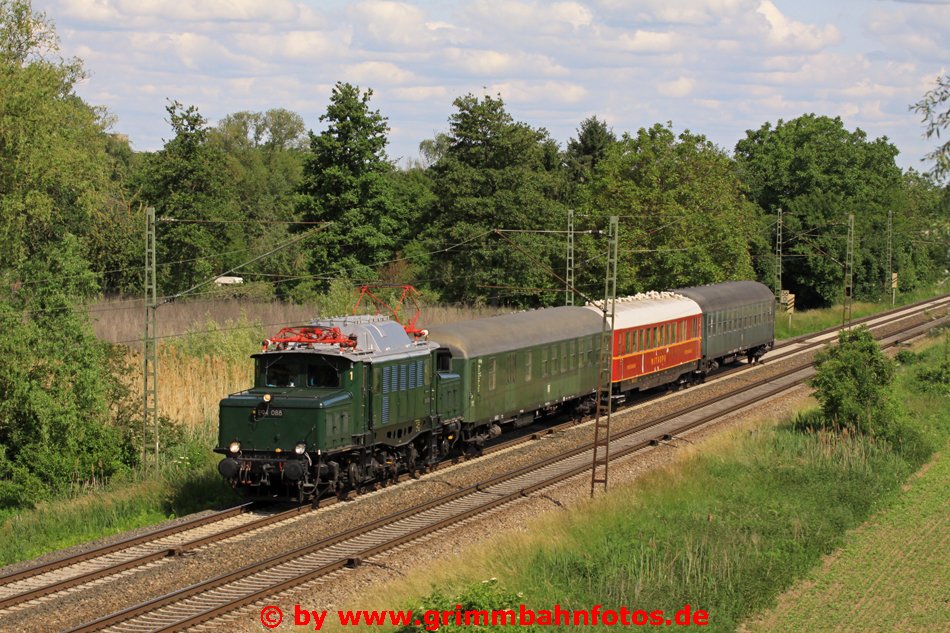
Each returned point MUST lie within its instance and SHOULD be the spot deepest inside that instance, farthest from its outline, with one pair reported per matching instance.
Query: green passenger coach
(514, 367)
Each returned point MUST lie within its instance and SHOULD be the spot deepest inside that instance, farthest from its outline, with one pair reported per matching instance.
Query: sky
(715, 67)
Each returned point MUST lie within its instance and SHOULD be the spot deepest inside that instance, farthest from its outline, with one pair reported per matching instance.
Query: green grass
(809, 321)
(726, 533)
(112, 509)
(891, 575)
(726, 530)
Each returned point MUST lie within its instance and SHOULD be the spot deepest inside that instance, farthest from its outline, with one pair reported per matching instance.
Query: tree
(263, 156)
(934, 110)
(60, 185)
(54, 165)
(818, 172)
(55, 383)
(345, 182)
(852, 384)
(684, 218)
(590, 147)
(184, 181)
(495, 173)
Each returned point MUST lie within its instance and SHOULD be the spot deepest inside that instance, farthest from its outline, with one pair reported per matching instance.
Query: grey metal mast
(601, 459)
(149, 342)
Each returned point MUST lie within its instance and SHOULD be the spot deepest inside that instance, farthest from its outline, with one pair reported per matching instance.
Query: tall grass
(122, 320)
(805, 322)
(724, 533)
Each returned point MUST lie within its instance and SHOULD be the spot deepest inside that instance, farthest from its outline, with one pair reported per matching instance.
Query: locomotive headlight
(267, 397)
(235, 447)
(300, 449)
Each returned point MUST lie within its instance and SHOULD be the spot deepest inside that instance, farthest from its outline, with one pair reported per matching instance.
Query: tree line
(480, 218)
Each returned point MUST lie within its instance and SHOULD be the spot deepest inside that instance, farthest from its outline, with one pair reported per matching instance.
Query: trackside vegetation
(731, 527)
(73, 194)
(889, 574)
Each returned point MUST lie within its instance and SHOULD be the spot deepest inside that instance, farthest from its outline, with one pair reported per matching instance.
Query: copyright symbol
(271, 617)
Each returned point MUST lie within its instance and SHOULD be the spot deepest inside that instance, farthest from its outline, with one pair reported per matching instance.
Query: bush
(906, 357)
(852, 384)
(486, 596)
(57, 388)
(935, 378)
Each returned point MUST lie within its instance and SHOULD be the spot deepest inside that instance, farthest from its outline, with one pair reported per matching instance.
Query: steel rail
(153, 535)
(804, 342)
(353, 559)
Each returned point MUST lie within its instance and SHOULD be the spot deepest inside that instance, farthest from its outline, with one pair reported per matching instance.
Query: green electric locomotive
(352, 402)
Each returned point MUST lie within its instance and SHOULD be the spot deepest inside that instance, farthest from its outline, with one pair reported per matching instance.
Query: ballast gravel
(112, 594)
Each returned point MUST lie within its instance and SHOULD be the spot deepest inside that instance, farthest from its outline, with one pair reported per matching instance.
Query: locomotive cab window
(277, 372)
(322, 374)
(443, 361)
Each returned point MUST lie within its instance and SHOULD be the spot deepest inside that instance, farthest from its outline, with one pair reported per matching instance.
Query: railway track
(783, 349)
(28, 585)
(204, 601)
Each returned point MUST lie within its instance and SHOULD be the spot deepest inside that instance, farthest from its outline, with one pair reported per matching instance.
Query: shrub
(935, 378)
(483, 597)
(852, 384)
(906, 357)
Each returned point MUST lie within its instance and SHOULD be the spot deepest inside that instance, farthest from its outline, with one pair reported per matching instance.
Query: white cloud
(377, 73)
(304, 45)
(199, 10)
(493, 62)
(685, 12)
(422, 93)
(785, 32)
(533, 18)
(549, 91)
(646, 41)
(718, 67)
(922, 32)
(395, 24)
(679, 88)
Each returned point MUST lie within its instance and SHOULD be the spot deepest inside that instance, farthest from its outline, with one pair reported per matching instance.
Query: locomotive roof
(728, 294)
(507, 332)
(376, 337)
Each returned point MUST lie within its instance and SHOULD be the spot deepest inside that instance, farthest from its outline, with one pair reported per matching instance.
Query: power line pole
(848, 273)
(569, 284)
(150, 377)
(778, 257)
(602, 420)
(889, 280)
(149, 342)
